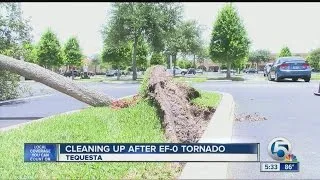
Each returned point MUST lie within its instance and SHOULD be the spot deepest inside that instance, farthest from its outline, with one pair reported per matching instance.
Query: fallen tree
(54, 80)
(182, 121)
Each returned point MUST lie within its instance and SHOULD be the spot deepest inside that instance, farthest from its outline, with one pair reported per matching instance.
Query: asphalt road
(17, 112)
(290, 109)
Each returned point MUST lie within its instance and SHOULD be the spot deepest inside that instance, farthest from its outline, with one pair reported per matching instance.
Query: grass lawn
(135, 124)
(315, 76)
(207, 99)
(190, 79)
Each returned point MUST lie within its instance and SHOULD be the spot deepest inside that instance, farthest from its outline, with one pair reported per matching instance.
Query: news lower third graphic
(280, 149)
(146, 152)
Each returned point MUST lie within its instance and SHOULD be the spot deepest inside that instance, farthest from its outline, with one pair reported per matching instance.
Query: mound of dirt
(182, 121)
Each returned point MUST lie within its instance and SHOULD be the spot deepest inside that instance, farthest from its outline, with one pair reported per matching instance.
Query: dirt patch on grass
(182, 121)
(123, 103)
(250, 117)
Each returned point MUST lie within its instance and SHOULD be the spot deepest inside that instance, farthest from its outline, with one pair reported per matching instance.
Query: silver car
(266, 69)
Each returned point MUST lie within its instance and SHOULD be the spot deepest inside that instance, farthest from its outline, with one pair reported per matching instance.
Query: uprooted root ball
(182, 121)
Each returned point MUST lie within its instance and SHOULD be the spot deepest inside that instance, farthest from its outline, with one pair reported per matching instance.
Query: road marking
(26, 98)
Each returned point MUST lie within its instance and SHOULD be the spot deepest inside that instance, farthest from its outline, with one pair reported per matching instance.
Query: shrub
(8, 85)
(143, 91)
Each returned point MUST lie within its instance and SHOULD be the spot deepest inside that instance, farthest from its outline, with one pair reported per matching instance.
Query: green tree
(117, 56)
(49, 50)
(192, 35)
(30, 52)
(132, 21)
(72, 53)
(285, 51)
(142, 54)
(229, 41)
(14, 31)
(185, 64)
(258, 56)
(314, 59)
(157, 59)
(180, 41)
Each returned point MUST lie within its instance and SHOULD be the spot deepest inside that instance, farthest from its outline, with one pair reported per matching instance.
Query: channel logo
(280, 149)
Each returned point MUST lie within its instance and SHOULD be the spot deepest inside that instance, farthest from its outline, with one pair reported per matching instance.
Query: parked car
(225, 70)
(112, 72)
(266, 69)
(199, 71)
(191, 71)
(178, 70)
(76, 73)
(252, 70)
(290, 67)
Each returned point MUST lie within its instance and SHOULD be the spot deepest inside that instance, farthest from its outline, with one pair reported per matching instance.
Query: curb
(38, 120)
(219, 80)
(26, 98)
(218, 130)
(4, 129)
(120, 82)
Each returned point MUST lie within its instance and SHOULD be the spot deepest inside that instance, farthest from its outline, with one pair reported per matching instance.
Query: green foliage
(142, 54)
(157, 59)
(285, 51)
(49, 50)
(207, 99)
(30, 53)
(229, 41)
(143, 90)
(72, 53)
(131, 22)
(185, 64)
(259, 56)
(314, 59)
(117, 55)
(9, 85)
(14, 31)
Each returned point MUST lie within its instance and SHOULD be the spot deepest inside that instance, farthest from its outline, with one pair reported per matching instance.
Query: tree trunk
(95, 69)
(72, 74)
(228, 70)
(118, 73)
(168, 61)
(174, 57)
(134, 60)
(194, 61)
(54, 80)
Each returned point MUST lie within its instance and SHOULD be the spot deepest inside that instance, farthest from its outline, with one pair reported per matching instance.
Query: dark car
(191, 71)
(69, 73)
(290, 67)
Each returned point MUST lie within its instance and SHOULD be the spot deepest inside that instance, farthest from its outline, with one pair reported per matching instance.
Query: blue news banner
(147, 152)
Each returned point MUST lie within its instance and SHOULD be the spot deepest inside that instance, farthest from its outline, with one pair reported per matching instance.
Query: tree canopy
(285, 51)
(260, 55)
(132, 21)
(229, 41)
(314, 59)
(72, 53)
(49, 50)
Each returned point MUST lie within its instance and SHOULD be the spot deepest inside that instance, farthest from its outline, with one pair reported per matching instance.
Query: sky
(269, 25)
